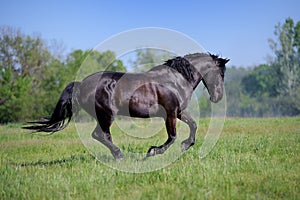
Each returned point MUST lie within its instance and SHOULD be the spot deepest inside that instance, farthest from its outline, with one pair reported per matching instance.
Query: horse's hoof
(151, 151)
(118, 156)
(119, 159)
(185, 145)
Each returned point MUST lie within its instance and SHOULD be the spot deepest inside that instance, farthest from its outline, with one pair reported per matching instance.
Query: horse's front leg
(171, 130)
(190, 141)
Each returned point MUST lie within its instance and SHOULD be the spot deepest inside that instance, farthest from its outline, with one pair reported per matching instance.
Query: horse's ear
(223, 61)
(219, 61)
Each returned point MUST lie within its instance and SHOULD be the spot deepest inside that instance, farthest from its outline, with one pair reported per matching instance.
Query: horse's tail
(62, 111)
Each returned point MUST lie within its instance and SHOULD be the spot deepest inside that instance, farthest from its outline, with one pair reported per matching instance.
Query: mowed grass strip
(253, 159)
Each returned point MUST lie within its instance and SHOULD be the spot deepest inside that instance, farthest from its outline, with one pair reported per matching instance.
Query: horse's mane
(219, 61)
(183, 66)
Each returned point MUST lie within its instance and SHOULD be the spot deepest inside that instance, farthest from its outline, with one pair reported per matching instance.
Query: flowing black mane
(219, 61)
(183, 66)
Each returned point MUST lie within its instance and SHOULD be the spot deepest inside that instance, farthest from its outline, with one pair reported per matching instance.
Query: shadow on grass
(62, 161)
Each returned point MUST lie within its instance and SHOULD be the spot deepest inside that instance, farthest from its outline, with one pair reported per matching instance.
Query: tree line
(273, 88)
(33, 74)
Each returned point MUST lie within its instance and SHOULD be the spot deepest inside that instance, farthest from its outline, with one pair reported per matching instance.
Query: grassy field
(253, 159)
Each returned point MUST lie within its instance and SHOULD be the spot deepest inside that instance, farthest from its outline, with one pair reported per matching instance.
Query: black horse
(164, 91)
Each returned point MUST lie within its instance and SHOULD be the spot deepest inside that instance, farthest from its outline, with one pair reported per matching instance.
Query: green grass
(253, 159)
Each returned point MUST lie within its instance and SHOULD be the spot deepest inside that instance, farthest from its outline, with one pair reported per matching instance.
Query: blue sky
(235, 29)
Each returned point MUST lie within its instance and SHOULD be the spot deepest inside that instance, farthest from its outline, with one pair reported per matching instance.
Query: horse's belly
(144, 111)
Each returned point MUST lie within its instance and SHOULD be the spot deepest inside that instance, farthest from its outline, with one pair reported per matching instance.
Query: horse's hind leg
(185, 117)
(102, 134)
(171, 130)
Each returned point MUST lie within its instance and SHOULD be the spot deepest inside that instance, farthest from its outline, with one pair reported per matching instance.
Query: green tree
(15, 91)
(22, 59)
(287, 65)
(261, 81)
(287, 52)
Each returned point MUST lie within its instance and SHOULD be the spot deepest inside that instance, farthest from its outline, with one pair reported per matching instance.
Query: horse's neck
(197, 81)
(200, 70)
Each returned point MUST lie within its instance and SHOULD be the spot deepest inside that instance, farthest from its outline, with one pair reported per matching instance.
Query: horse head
(212, 70)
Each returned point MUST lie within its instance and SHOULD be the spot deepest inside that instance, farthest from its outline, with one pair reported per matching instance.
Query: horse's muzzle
(216, 99)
